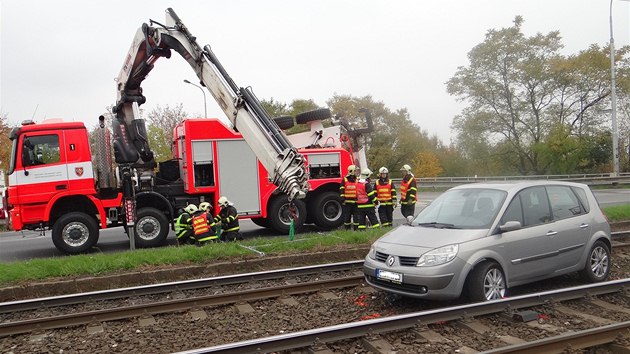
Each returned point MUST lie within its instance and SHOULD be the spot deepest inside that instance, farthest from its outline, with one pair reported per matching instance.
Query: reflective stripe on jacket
(385, 192)
(408, 190)
(200, 224)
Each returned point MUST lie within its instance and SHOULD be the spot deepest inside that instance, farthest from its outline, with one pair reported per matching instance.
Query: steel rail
(577, 340)
(334, 333)
(75, 319)
(112, 294)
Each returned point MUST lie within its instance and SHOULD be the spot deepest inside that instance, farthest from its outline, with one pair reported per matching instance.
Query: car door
(529, 251)
(571, 222)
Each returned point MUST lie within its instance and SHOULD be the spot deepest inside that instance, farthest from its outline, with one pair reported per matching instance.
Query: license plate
(390, 276)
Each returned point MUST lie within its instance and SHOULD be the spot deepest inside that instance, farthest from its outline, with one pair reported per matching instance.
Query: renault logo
(390, 261)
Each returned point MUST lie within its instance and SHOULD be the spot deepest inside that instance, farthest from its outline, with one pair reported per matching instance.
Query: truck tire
(278, 216)
(262, 222)
(151, 228)
(75, 233)
(326, 210)
(310, 116)
(284, 122)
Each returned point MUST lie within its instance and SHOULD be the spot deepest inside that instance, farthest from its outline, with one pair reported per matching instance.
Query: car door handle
(61, 187)
(583, 226)
(552, 233)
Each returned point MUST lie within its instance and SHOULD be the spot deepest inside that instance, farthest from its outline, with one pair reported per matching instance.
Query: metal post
(613, 99)
(205, 109)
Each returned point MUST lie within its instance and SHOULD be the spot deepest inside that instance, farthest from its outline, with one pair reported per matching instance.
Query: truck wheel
(278, 215)
(262, 222)
(284, 122)
(151, 228)
(326, 210)
(75, 233)
(310, 116)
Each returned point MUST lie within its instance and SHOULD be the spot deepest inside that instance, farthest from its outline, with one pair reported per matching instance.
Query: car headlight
(438, 256)
(372, 253)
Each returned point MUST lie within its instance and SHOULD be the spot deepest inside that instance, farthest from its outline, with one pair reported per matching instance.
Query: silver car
(481, 239)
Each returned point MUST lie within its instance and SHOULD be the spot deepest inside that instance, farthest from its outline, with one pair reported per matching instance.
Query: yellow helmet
(352, 169)
(406, 168)
(204, 206)
(366, 172)
(191, 208)
(383, 170)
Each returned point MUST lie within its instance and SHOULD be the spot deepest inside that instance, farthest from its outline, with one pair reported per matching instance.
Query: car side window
(514, 211)
(564, 203)
(582, 197)
(535, 206)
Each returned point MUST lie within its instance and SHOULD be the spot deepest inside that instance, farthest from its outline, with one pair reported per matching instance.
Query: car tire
(486, 282)
(326, 210)
(597, 265)
(314, 115)
(151, 228)
(284, 122)
(75, 233)
(278, 214)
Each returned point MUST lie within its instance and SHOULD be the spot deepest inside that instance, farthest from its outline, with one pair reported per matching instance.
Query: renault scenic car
(482, 239)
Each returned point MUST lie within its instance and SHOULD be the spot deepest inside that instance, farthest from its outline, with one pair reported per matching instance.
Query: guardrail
(589, 179)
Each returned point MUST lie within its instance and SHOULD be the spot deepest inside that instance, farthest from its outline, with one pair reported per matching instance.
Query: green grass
(617, 213)
(98, 264)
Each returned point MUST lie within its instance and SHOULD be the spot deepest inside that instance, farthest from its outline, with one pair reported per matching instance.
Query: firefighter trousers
(349, 210)
(386, 214)
(368, 213)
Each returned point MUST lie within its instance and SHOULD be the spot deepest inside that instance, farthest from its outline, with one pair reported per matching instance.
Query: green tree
(522, 94)
(5, 143)
(161, 123)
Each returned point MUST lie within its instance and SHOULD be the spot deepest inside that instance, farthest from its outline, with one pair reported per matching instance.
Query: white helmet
(204, 206)
(191, 208)
(406, 168)
(223, 201)
(351, 169)
(366, 172)
(383, 170)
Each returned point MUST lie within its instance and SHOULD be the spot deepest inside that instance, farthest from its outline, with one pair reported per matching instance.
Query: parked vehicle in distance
(481, 239)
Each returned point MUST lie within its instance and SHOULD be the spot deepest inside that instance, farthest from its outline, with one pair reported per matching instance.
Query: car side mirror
(510, 226)
(409, 219)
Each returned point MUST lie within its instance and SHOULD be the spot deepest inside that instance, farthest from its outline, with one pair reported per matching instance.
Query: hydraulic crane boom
(285, 165)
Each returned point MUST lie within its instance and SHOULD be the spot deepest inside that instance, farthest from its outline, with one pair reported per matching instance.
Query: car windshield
(471, 208)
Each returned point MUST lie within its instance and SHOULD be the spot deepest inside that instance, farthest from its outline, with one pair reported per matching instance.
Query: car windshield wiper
(438, 225)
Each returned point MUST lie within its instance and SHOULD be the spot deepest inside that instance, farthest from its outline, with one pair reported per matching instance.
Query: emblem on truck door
(78, 171)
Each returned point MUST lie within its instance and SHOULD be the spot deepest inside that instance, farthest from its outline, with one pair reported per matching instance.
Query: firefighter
(408, 192)
(183, 225)
(348, 192)
(228, 216)
(366, 197)
(204, 233)
(207, 208)
(386, 196)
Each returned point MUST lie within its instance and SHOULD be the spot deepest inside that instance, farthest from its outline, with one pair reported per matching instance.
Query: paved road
(15, 246)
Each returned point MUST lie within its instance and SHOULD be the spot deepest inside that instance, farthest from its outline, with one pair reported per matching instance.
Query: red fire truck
(53, 183)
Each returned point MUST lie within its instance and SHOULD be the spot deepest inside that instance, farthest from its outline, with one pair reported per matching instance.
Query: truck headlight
(438, 256)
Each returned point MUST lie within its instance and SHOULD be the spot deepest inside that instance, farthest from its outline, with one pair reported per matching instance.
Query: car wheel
(314, 115)
(75, 233)
(486, 282)
(284, 122)
(278, 215)
(597, 265)
(151, 229)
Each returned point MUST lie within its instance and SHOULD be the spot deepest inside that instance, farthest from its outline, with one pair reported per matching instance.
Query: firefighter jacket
(385, 191)
(229, 219)
(348, 189)
(366, 195)
(408, 189)
(203, 227)
(183, 223)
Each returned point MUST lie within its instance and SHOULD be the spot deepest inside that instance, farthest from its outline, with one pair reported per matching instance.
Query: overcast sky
(59, 58)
